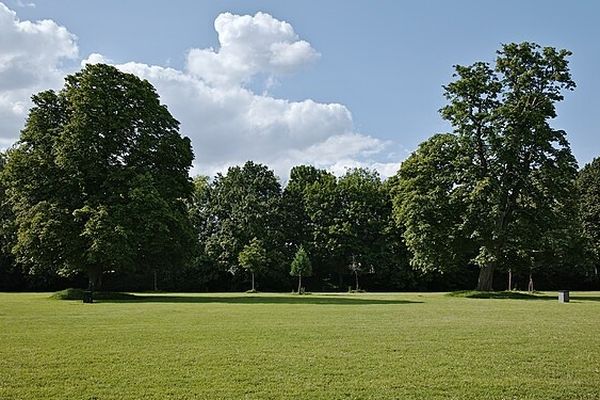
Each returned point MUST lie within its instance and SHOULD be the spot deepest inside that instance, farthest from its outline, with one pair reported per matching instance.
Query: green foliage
(302, 226)
(301, 265)
(362, 218)
(425, 206)
(99, 177)
(243, 205)
(349, 218)
(588, 183)
(253, 256)
(500, 191)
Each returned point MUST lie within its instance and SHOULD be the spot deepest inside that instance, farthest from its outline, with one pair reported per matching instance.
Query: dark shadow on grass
(585, 298)
(473, 294)
(249, 299)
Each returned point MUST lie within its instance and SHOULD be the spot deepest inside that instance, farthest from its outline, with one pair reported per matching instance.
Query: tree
(244, 204)
(588, 183)
(253, 258)
(99, 178)
(347, 218)
(9, 274)
(425, 207)
(307, 211)
(361, 220)
(356, 268)
(301, 266)
(502, 177)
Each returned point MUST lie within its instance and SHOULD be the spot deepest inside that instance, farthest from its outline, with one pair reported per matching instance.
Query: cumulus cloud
(31, 59)
(227, 122)
(95, 58)
(250, 45)
(231, 125)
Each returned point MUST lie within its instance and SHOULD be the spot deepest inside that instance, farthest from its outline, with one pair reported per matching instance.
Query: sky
(336, 84)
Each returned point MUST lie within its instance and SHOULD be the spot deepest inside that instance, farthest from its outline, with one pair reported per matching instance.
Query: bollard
(563, 296)
(88, 297)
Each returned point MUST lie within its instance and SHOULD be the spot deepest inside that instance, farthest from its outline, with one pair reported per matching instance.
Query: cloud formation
(31, 59)
(250, 45)
(227, 122)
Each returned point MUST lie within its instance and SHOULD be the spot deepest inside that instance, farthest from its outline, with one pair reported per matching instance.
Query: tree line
(97, 192)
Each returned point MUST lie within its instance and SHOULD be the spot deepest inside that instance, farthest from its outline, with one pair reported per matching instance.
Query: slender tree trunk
(299, 283)
(530, 284)
(155, 281)
(356, 277)
(253, 281)
(509, 279)
(486, 277)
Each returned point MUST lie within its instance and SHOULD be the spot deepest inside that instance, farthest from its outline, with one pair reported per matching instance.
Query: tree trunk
(486, 276)
(299, 283)
(509, 279)
(94, 277)
(356, 277)
(253, 282)
(155, 281)
(530, 284)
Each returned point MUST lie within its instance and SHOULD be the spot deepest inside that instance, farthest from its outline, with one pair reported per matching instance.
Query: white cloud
(95, 58)
(250, 45)
(227, 122)
(31, 59)
(229, 125)
(25, 4)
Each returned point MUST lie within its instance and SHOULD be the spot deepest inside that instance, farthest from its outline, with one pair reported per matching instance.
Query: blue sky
(384, 61)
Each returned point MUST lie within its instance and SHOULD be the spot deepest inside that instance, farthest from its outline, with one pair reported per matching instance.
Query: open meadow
(278, 346)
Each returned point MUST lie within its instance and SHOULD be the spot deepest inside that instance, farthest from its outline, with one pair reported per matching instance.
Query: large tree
(589, 189)
(306, 210)
(361, 222)
(244, 204)
(499, 185)
(99, 178)
(347, 219)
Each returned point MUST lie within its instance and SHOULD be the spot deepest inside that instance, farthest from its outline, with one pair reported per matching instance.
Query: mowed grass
(276, 346)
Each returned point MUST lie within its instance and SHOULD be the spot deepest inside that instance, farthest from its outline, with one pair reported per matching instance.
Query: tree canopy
(499, 183)
(301, 266)
(253, 258)
(99, 181)
(99, 177)
(588, 183)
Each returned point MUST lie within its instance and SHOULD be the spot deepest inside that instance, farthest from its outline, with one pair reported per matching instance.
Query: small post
(88, 296)
(563, 296)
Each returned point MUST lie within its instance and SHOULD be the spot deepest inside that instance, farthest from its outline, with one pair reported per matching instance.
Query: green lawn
(272, 346)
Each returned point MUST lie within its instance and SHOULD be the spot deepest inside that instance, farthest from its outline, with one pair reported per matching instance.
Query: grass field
(275, 346)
